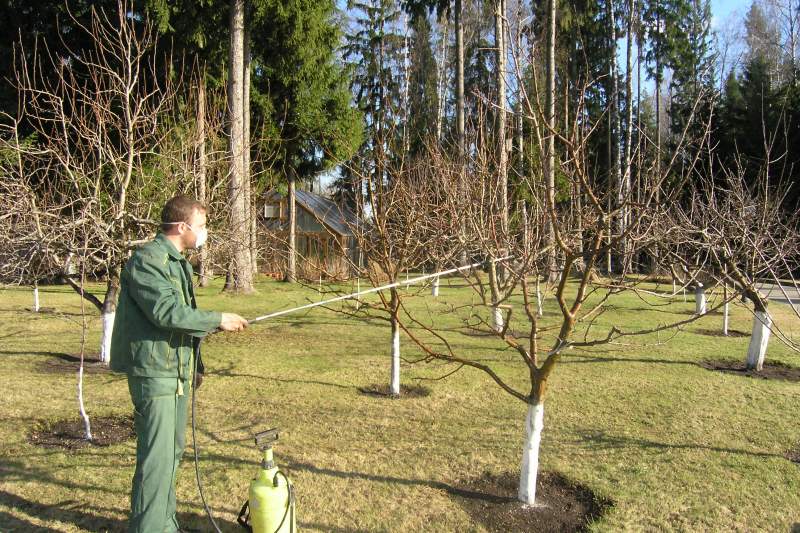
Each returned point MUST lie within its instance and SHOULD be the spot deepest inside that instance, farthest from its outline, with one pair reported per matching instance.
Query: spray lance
(270, 507)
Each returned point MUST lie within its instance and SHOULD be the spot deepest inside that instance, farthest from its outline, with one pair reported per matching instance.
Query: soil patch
(794, 454)
(67, 363)
(561, 505)
(406, 391)
(732, 333)
(772, 370)
(106, 430)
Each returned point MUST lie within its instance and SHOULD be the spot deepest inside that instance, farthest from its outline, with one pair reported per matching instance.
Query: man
(156, 329)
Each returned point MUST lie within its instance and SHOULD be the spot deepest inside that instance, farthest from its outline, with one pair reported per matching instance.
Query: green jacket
(157, 323)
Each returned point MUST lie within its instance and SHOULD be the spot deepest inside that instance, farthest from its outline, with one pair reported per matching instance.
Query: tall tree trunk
(241, 266)
(249, 197)
(202, 170)
(502, 149)
(291, 258)
(460, 132)
(441, 79)
(625, 186)
(550, 140)
(614, 179)
(459, 28)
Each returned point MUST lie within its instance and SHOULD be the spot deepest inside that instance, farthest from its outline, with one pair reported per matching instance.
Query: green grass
(675, 446)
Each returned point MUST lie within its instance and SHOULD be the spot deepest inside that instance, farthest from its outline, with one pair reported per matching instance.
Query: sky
(721, 9)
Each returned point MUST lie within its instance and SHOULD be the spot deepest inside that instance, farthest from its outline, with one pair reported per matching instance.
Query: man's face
(191, 229)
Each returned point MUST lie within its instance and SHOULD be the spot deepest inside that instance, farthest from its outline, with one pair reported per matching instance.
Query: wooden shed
(324, 243)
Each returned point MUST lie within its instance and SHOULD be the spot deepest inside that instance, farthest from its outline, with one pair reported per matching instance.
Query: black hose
(289, 502)
(194, 442)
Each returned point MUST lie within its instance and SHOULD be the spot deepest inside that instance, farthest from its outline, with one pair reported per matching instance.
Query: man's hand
(232, 322)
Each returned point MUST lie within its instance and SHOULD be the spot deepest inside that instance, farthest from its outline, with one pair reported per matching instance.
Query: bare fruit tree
(745, 236)
(88, 131)
(506, 306)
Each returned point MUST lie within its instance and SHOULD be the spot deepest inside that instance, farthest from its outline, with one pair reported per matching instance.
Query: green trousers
(160, 421)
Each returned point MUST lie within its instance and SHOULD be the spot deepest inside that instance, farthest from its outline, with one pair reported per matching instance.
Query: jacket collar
(165, 243)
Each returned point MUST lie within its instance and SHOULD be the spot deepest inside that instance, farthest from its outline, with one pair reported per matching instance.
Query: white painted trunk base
(87, 427)
(699, 300)
(759, 340)
(534, 422)
(395, 378)
(36, 299)
(105, 340)
(725, 319)
(498, 321)
(435, 287)
(539, 306)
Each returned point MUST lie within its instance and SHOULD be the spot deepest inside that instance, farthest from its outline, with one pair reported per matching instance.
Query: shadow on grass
(605, 441)
(331, 529)
(583, 359)
(58, 355)
(228, 373)
(71, 511)
(450, 489)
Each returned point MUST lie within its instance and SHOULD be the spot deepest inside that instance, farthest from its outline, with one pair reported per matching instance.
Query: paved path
(775, 294)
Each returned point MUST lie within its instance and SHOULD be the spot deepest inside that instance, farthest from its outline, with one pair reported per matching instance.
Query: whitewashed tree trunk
(435, 287)
(539, 305)
(759, 340)
(105, 338)
(498, 321)
(87, 427)
(534, 422)
(699, 300)
(725, 310)
(35, 297)
(395, 377)
(725, 319)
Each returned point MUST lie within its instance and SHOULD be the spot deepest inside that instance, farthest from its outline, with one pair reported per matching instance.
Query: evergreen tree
(692, 84)
(375, 52)
(423, 99)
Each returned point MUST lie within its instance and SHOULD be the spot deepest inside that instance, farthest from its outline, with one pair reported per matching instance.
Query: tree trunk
(291, 258)
(202, 170)
(460, 132)
(625, 185)
(435, 287)
(459, 80)
(550, 140)
(614, 178)
(441, 79)
(87, 426)
(250, 199)
(502, 152)
(762, 324)
(394, 389)
(35, 297)
(241, 268)
(529, 469)
(699, 300)
(108, 312)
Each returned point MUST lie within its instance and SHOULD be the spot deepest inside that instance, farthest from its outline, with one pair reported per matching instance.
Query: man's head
(183, 221)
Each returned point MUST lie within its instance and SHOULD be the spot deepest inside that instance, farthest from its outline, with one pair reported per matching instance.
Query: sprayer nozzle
(265, 439)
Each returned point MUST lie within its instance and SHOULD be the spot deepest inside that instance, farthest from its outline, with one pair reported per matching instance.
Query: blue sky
(722, 8)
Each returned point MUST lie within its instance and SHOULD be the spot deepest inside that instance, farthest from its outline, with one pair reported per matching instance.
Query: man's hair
(179, 209)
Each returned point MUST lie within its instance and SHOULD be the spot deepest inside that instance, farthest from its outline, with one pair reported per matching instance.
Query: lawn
(673, 445)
